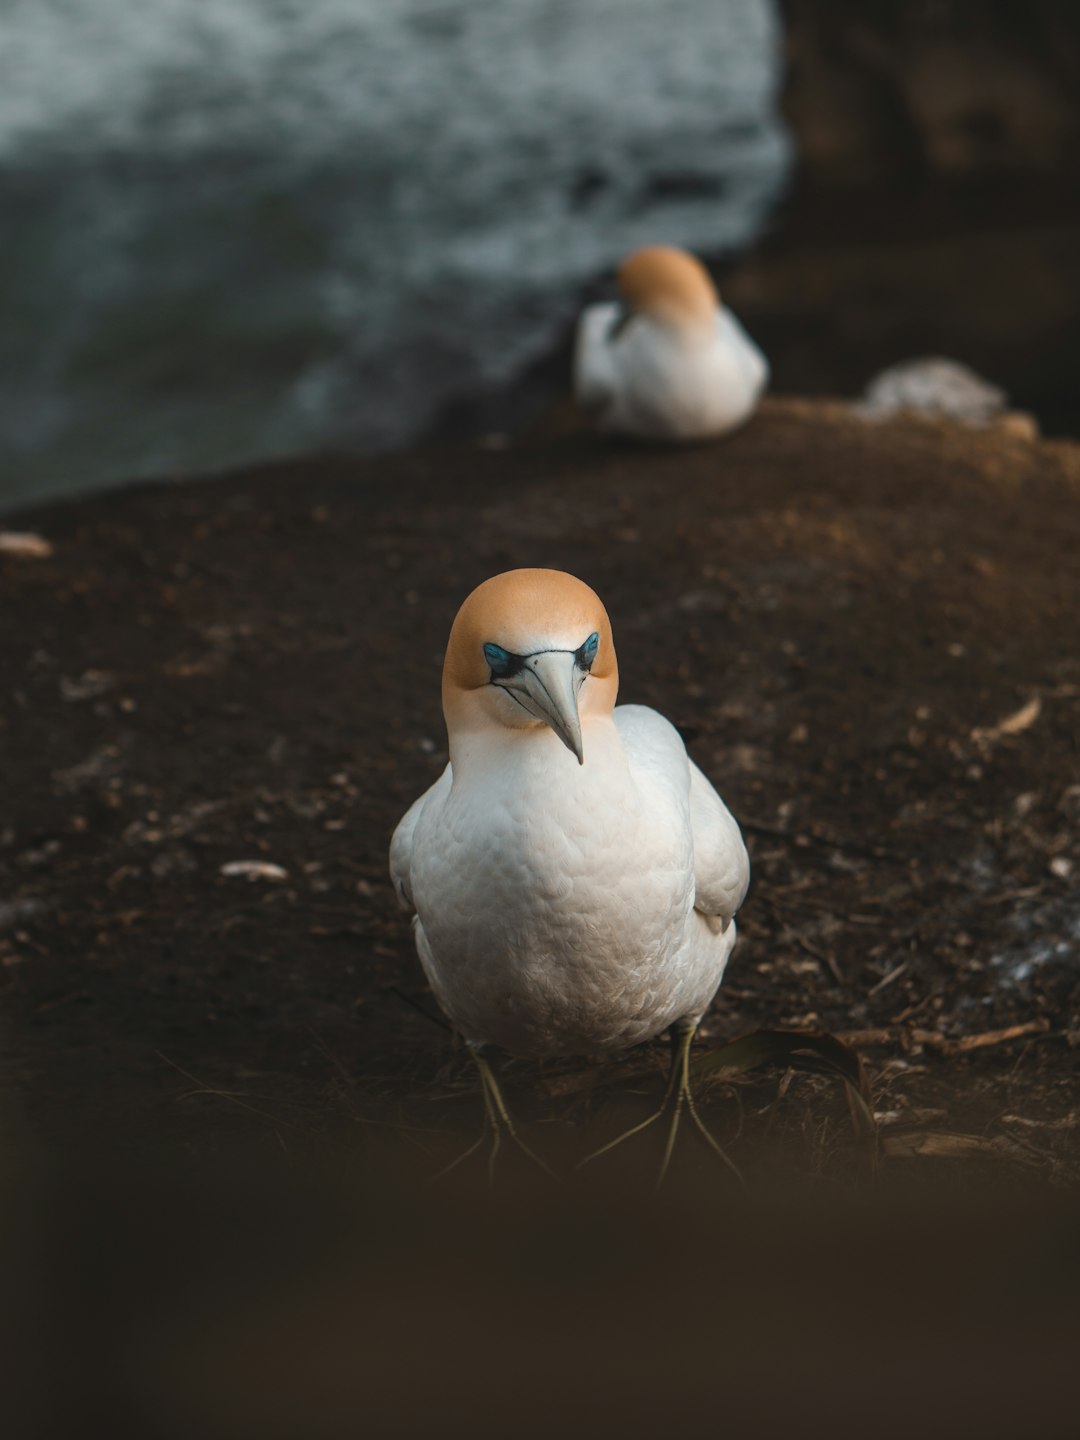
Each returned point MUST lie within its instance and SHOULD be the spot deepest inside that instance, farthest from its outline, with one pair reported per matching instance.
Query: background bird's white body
(640, 375)
(572, 909)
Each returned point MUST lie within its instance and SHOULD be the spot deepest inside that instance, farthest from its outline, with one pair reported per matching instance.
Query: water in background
(232, 229)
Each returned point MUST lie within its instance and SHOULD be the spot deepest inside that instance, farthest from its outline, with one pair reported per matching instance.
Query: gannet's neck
(486, 750)
(687, 331)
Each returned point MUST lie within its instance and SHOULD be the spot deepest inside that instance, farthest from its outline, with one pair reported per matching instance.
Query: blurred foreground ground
(299, 1307)
(866, 632)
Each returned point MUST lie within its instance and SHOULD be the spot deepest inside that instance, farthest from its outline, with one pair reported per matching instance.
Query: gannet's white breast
(555, 903)
(644, 377)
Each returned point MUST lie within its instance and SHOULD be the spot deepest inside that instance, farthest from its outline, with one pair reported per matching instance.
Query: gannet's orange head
(669, 285)
(530, 649)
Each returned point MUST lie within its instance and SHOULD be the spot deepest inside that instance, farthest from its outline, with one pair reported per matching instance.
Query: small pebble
(253, 870)
(24, 545)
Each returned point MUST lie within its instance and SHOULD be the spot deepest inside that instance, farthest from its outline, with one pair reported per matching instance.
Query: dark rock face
(858, 279)
(904, 91)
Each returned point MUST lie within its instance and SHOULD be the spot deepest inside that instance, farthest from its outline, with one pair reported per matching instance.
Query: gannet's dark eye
(587, 653)
(503, 662)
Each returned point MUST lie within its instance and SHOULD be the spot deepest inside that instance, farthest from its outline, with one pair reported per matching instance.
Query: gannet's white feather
(595, 377)
(721, 864)
(655, 380)
(566, 909)
(401, 846)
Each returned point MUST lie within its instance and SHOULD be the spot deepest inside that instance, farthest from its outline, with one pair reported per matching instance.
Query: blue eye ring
(501, 661)
(587, 653)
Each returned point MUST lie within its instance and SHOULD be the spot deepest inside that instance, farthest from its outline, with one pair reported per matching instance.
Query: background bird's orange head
(668, 284)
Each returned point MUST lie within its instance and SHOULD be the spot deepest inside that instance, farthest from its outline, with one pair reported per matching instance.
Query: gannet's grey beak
(547, 686)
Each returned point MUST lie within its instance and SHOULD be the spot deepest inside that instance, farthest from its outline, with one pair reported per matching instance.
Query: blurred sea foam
(234, 229)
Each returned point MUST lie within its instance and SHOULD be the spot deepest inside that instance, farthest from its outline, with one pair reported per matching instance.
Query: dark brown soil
(840, 617)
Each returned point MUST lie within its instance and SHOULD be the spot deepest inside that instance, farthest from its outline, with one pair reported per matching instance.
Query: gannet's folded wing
(594, 365)
(401, 846)
(655, 750)
(749, 359)
(721, 864)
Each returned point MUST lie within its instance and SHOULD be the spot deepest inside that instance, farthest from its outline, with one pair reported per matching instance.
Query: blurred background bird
(574, 875)
(666, 361)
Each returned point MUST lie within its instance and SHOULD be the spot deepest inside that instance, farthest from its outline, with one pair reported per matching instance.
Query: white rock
(24, 545)
(933, 386)
(253, 870)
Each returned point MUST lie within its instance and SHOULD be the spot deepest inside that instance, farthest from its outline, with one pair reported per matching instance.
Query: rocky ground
(864, 631)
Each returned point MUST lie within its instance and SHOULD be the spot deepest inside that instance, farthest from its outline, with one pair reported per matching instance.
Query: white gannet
(668, 362)
(573, 874)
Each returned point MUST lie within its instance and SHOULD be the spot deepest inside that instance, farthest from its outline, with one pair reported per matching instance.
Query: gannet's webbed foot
(497, 1124)
(678, 1097)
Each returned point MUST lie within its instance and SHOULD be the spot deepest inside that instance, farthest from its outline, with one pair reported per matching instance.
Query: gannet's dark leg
(683, 1038)
(677, 1095)
(497, 1122)
(649, 1119)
